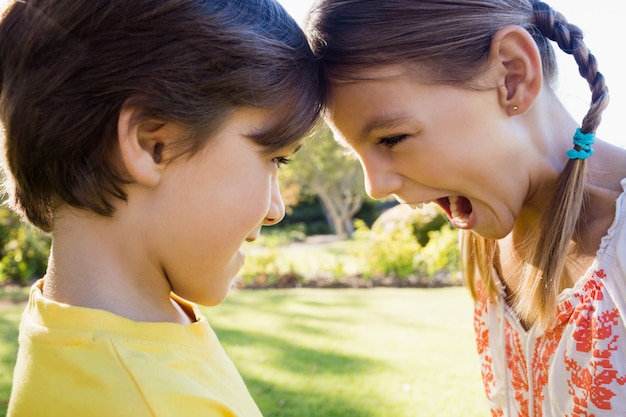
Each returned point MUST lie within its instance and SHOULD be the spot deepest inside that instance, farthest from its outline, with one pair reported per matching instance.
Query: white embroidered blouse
(577, 368)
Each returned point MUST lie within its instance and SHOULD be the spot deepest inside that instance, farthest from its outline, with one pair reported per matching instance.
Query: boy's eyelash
(391, 141)
(281, 161)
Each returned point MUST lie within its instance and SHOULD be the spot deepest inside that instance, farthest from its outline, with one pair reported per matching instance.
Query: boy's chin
(218, 292)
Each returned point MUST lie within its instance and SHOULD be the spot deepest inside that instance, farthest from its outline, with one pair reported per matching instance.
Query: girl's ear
(515, 53)
(142, 145)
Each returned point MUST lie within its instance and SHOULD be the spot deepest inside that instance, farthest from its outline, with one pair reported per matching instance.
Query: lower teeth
(454, 210)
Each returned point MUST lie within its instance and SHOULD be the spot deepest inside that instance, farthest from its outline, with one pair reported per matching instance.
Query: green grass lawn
(9, 318)
(333, 259)
(380, 352)
(355, 352)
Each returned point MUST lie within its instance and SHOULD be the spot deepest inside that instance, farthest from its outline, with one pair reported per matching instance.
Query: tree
(323, 169)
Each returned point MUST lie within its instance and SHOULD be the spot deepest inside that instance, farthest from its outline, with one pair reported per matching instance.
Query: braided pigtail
(545, 275)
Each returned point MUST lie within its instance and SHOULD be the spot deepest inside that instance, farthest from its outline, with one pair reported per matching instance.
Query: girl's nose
(276, 211)
(380, 182)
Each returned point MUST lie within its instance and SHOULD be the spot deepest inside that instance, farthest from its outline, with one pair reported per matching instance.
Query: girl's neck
(607, 167)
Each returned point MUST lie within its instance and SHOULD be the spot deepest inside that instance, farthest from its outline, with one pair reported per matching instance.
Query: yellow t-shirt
(76, 361)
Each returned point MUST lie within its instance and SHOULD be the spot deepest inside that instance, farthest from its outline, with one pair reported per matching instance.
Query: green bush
(261, 269)
(442, 253)
(388, 251)
(24, 250)
(405, 245)
(404, 242)
(272, 237)
(265, 266)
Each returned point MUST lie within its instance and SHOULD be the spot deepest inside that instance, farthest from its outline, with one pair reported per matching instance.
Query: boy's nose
(276, 211)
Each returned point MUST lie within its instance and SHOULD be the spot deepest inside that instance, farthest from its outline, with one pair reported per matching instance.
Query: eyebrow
(381, 123)
(297, 148)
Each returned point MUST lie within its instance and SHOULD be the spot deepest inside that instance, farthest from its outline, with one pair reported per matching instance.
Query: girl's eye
(281, 161)
(391, 141)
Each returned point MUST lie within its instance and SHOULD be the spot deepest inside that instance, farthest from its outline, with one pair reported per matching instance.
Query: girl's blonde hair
(450, 40)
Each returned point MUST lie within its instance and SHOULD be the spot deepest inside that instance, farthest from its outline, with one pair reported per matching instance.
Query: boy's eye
(281, 161)
(391, 141)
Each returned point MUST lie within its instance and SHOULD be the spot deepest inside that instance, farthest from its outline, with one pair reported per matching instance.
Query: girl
(452, 103)
(145, 136)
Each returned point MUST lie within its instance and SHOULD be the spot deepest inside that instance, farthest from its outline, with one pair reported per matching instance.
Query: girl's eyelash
(281, 161)
(391, 141)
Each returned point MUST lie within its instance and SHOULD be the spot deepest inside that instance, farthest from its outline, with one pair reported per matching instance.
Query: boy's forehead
(265, 127)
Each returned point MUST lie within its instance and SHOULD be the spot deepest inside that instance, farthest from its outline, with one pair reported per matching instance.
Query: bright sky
(597, 19)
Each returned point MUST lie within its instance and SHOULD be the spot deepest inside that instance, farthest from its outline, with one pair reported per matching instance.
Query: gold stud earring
(515, 108)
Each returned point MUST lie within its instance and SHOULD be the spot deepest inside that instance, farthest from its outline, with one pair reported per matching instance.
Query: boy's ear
(515, 53)
(142, 145)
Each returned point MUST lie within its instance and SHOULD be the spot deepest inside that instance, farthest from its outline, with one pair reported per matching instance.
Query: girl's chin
(494, 233)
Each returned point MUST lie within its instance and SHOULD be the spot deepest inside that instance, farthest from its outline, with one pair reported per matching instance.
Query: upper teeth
(454, 209)
(416, 205)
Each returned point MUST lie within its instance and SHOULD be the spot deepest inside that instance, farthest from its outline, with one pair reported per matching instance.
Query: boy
(145, 136)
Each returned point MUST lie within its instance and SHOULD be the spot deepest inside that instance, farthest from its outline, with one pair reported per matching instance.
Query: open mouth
(458, 209)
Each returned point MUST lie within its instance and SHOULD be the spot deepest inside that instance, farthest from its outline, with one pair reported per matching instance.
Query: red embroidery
(595, 328)
(482, 340)
(542, 358)
(594, 336)
(516, 363)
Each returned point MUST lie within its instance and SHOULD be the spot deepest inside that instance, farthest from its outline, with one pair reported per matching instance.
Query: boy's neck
(97, 263)
(139, 308)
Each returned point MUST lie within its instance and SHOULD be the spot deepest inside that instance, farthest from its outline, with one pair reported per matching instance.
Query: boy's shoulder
(92, 362)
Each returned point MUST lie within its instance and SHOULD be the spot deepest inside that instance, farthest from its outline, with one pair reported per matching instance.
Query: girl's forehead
(376, 73)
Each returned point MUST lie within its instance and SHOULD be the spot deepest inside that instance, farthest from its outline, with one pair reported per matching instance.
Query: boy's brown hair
(68, 67)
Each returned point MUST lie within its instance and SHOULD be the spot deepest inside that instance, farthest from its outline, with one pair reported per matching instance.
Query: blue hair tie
(584, 142)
